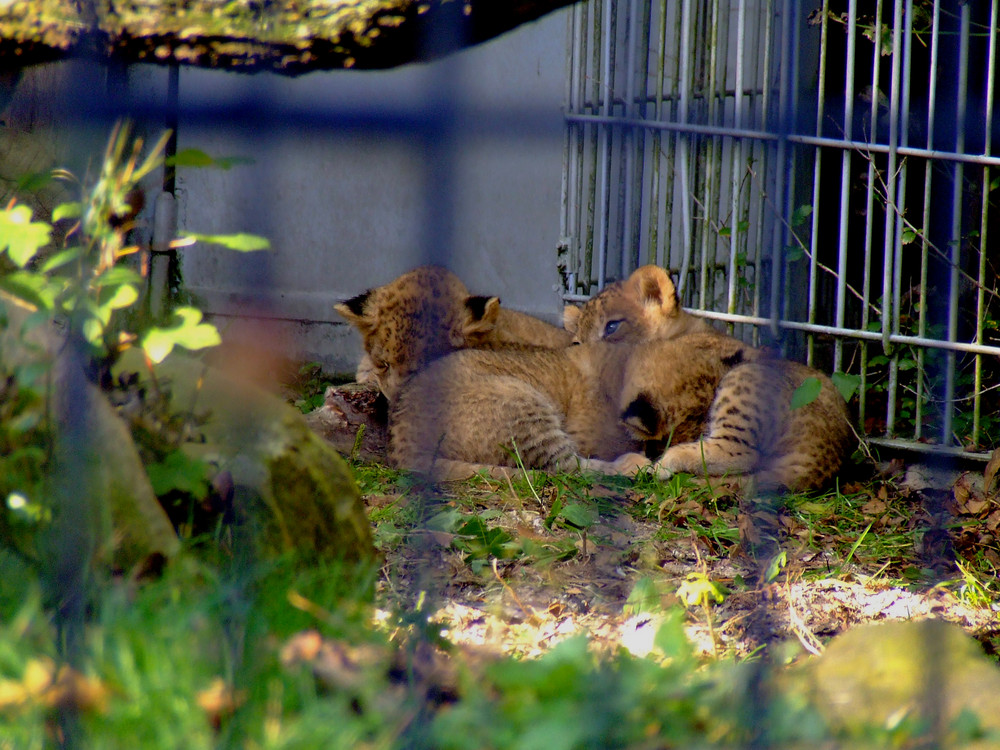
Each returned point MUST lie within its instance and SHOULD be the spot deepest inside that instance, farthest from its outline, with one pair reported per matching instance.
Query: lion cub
(557, 409)
(752, 427)
(427, 313)
(644, 307)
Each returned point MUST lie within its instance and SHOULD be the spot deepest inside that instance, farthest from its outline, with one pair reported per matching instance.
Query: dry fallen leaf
(990, 472)
(219, 701)
(874, 507)
(46, 685)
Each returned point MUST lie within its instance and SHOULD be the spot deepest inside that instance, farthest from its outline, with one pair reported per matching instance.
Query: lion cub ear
(355, 312)
(656, 289)
(480, 315)
(571, 318)
(644, 417)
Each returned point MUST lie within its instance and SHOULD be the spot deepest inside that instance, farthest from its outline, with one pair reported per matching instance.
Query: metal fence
(818, 176)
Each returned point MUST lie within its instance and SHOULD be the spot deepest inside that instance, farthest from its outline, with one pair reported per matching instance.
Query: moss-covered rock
(96, 489)
(294, 491)
(929, 673)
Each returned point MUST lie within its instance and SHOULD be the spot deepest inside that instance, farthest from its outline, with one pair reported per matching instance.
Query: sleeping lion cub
(427, 313)
(752, 426)
(580, 407)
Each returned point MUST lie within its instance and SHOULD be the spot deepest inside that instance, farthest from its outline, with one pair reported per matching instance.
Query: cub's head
(644, 307)
(422, 315)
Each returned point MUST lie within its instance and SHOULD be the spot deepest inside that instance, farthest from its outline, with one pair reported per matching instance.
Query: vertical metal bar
(580, 220)
(817, 167)
(626, 194)
(870, 199)
(609, 41)
(656, 252)
(897, 207)
(791, 171)
(845, 198)
(983, 226)
(626, 160)
(595, 136)
(709, 157)
(764, 169)
(926, 215)
(889, 236)
(869, 229)
(567, 235)
(671, 230)
(783, 164)
(683, 144)
(736, 154)
(639, 176)
(956, 228)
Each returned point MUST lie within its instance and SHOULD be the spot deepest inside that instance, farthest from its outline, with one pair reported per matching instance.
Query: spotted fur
(748, 424)
(427, 313)
(554, 409)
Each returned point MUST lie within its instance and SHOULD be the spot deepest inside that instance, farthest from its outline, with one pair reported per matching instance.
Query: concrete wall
(351, 194)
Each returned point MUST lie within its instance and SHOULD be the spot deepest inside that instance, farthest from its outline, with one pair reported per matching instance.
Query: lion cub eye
(611, 327)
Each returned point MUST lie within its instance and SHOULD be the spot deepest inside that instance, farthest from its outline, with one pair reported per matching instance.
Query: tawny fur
(427, 313)
(750, 429)
(643, 307)
(555, 409)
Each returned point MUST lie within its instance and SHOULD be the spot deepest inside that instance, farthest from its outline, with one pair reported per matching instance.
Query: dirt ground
(516, 606)
(750, 573)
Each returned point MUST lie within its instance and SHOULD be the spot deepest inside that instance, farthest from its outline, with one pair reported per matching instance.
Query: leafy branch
(86, 282)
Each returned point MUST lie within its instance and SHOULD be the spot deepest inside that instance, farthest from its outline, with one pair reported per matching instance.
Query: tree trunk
(283, 36)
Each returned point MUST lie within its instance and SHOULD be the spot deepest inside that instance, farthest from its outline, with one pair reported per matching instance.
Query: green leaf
(30, 288)
(775, 566)
(189, 157)
(672, 639)
(178, 471)
(806, 393)
(20, 236)
(447, 520)
(794, 253)
(33, 181)
(188, 332)
(117, 275)
(72, 210)
(643, 598)
(93, 330)
(194, 157)
(908, 236)
(579, 515)
(725, 232)
(118, 296)
(800, 215)
(698, 589)
(556, 509)
(60, 259)
(241, 241)
(846, 384)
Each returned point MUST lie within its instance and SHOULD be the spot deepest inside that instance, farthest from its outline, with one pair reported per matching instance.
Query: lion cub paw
(630, 464)
(661, 471)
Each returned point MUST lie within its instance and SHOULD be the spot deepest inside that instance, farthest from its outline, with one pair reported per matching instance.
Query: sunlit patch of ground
(517, 567)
